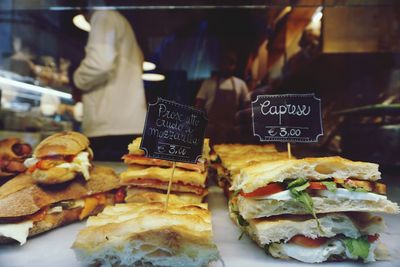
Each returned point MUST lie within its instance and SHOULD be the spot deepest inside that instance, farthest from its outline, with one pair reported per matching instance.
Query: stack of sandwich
(60, 187)
(231, 158)
(313, 209)
(143, 234)
(13, 152)
(147, 178)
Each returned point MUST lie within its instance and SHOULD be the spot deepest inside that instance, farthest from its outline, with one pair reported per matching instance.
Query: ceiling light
(80, 22)
(148, 66)
(34, 88)
(153, 77)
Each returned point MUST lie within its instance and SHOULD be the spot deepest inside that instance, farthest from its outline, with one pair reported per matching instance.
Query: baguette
(21, 196)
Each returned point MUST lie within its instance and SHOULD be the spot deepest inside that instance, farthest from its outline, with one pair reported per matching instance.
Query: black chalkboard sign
(287, 118)
(173, 132)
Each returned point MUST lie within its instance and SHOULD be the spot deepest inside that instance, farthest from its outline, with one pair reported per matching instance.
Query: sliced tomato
(307, 241)
(317, 186)
(265, 190)
(39, 216)
(373, 238)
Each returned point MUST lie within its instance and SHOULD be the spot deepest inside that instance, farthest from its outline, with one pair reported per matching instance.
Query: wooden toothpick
(289, 151)
(169, 186)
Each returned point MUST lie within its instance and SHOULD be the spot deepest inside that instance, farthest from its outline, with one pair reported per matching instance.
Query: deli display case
(83, 83)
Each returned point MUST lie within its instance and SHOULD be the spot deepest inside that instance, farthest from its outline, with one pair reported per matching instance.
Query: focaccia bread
(138, 195)
(261, 174)
(224, 149)
(258, 208)
(143, 234)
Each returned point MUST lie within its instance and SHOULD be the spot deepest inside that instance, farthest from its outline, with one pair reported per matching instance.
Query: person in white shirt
(222, 96)
(110, 77)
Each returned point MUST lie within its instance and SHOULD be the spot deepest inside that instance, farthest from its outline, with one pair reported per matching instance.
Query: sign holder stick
(169, 186)
(289, 150)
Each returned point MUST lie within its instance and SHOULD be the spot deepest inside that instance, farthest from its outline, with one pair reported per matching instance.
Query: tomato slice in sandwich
(307, 241)
(265, 190)
(317, 186)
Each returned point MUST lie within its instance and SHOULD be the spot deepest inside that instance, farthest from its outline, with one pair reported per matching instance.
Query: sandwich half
(338, 237)
(143, 234)
(28, 208)
(13, 152)
(147, 179)
(60, 158)
(310, 186)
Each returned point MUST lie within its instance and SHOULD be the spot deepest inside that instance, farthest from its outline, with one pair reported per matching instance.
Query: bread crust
(22, 196)
(58, 219)
(180, 236)
(136, 195)
(250, 208)
(261, 174)
(63, 143)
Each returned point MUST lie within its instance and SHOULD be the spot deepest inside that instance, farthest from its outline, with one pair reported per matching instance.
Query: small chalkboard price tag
(287, 118)
(173, 132)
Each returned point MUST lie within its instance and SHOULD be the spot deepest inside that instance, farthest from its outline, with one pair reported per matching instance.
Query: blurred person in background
(114, 104)
(222, 96)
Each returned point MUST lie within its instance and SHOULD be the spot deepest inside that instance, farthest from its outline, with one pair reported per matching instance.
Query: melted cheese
(339, 193)
(344, 193)
(30, 162)
(16, 231)
(281, 196)
(80, 164)
(313, 255)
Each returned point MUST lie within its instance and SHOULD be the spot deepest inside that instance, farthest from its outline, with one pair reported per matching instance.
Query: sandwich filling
(322, 249)
(158, 177)
(142, 160)
(18, 228)
(75, 163)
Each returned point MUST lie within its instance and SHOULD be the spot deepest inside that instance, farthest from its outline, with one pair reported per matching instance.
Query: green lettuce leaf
(358, 247)
(331, 186)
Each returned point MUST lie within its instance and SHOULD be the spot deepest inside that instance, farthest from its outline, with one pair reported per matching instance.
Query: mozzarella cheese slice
(16, 231)
(80, 164)
(339, 193)
(313, 255)
(344, 193)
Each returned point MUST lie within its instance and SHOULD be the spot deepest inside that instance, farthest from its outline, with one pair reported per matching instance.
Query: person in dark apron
(223, 102)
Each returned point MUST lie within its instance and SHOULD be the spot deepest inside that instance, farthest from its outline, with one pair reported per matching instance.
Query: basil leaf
(297, 182)
(307, 202)
(304, 198)
(358, 247)
(331, 186)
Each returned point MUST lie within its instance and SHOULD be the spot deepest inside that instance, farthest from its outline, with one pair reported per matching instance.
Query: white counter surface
(53, 248)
